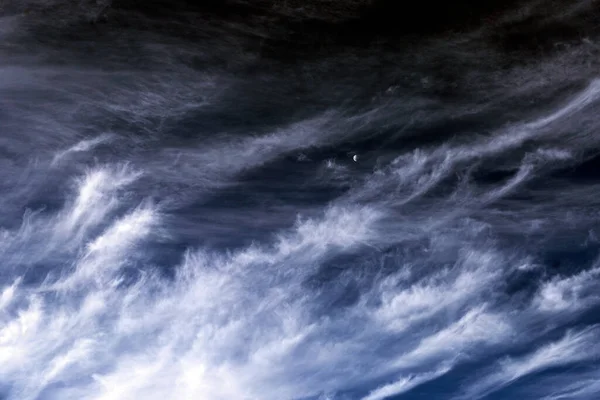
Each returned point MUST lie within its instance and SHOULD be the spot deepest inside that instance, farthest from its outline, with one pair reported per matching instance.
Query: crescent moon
(355, 157)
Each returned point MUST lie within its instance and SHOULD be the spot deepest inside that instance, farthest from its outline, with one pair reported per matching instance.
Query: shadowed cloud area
(270, 200)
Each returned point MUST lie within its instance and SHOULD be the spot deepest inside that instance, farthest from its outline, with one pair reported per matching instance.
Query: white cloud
(403, 385)
(575, 346)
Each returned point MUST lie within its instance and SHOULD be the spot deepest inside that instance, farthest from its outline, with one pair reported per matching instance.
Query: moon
(355, 157)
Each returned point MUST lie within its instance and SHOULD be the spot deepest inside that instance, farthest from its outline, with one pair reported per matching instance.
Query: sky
(284, 200)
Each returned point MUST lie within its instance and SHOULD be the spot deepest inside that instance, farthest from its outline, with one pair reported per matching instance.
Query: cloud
(403, 385)
(575, 346)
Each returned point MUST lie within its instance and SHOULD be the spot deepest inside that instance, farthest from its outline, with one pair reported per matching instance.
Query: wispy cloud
(575, 346)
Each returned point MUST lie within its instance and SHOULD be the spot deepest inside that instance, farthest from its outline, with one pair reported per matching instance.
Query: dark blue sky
(272, 200)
